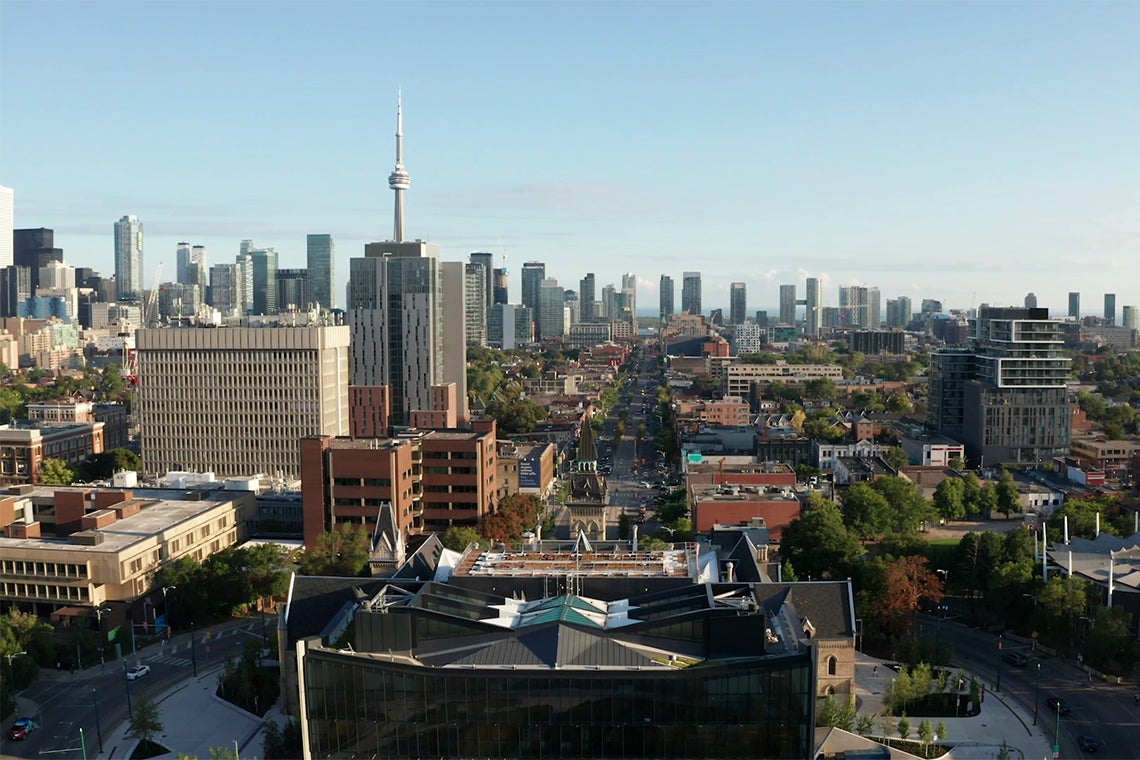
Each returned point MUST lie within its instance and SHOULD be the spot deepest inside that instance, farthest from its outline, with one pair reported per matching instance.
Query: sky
(971, 152)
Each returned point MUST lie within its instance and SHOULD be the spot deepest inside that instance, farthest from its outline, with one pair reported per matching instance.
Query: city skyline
(982, 169)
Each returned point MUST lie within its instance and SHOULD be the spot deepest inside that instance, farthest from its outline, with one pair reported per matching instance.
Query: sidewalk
(974, 738)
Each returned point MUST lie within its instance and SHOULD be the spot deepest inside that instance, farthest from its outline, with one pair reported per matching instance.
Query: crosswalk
(179, 654)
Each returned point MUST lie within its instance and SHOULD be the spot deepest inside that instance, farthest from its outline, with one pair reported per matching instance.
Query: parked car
(1059, 705)
(21, 728)
(138, 671)
(1087, 743)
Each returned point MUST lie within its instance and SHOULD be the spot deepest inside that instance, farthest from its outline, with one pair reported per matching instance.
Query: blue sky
(968, 151)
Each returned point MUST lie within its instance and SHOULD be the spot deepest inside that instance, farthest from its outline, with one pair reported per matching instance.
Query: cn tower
(399, 180)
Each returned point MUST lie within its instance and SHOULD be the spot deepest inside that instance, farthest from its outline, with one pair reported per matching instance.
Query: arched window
(830, 690)
(832, 665)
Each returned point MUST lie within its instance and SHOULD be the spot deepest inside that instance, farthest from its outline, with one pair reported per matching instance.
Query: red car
(21, 728)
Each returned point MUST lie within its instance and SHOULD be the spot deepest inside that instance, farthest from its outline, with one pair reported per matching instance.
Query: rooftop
(674, 563)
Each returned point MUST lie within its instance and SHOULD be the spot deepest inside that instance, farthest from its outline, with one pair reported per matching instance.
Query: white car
(138, 671)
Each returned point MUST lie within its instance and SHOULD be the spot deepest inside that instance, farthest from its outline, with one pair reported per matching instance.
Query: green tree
(459, 537)
(866, 511)
(282, 741)
(821, 388)
(818, 543)
(342, 551)
(925, 733)
(896, 458)
(903, 727)
(941, 730)
(146, 722)
(864, 724)
(836, 712)
(949, 499)
(103, 465)
(56, 472)
(1006, 496)
(1110, 647)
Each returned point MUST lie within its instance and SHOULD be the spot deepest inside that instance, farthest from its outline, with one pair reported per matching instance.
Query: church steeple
(587, 459)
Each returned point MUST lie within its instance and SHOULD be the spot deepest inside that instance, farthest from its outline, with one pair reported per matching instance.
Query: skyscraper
(691, 293)
(898, 312)
(533, 273)
(1004, 396)
(586, 298)
(191, 265)
(475, 282)
(551, 310)
(666, 297)
(320, 260)
(629, 294)
(293, 289)
(399, 180)
(224, 290)
(1075, 305)
(500, 279)
(487, 260)
(128, 259)
(737, 303)
(7, 226)
(264, 261)
(812, 306)
(1110, 308)
(787, 304)
(1131, 318)
(1030, 301)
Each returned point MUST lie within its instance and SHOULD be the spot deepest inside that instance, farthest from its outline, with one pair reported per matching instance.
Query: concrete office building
(320, 262)
(1004, 394)
(236, 400)
(667, 293)
(812, 306)
(787, 304)
(129, 259)
(1075, 305)
(691, 293)
(737, 303)
(1110, 308)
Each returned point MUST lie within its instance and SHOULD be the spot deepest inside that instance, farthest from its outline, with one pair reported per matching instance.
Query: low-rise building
(1114, 457)
(24, 446)
(861, 470)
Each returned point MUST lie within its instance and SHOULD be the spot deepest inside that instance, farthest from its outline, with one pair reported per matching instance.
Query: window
(832, 666)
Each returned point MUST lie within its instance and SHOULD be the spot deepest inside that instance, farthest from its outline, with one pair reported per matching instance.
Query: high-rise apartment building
(1110, 308)
(129, 259)
(7, 226)
(1075, 305)
(812, 306)
(1031, 300)
(551, 310)
(667, 293)
(264, 270)
(395, 311)
(237, 400)
(859, 306)
(587, 295)
(475, 282)
(609, 302)
(320, 261)
(898, 312)
(509, 326)
(787, 304)
(691, 293)
(737, 303)
(1003, 395)
(487, 260)
(629, 294)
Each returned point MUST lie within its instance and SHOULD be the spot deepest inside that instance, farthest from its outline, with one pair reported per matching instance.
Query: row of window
(58, 569)
(44, 591)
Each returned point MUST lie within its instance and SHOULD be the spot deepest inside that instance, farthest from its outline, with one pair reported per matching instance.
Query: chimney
(633, 543)
(731, 567)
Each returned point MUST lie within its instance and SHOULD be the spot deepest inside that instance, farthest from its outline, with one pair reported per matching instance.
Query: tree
(1110, 647)
(903, 727)
(282, 741)
(818, 543)
(145, 723)
(866, 511)
(949, 499)
(56, 472)
(908, 581)
(342, 551)
(516, 514)
(459, 537)
(821, 388)
(956, 462)
(941, 730)
(836, 712)
(896, 458)
(1006, 496)
(103, 465)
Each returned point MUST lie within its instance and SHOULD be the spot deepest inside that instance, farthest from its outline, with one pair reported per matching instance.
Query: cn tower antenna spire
(399, 180)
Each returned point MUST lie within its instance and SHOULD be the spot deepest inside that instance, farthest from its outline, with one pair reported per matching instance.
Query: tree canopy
(818, 544)
(343, 551)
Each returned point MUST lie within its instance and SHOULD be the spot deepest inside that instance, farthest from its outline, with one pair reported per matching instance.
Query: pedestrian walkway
(973, 738)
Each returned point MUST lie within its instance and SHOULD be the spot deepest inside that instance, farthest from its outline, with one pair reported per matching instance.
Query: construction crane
(150, 300)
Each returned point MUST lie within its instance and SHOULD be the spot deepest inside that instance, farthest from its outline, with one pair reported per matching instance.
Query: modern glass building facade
(363, 706)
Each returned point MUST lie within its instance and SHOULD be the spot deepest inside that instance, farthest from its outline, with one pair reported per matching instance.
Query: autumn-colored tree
(516, 514)
(909, 580)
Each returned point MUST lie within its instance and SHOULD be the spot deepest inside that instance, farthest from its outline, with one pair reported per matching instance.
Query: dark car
(1017, 658)
(1087, 743)
(1058, 704)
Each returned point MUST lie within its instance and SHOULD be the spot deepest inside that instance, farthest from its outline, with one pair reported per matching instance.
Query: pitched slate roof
(551, 645)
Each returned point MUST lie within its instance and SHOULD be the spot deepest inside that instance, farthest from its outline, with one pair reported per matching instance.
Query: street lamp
(12, 668)
(193, 651)
(99, 616)
(98, 728)
(166, 608)
(1036, 691)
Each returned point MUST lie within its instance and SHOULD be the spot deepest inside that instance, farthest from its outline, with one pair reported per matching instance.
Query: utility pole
(997, 686)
